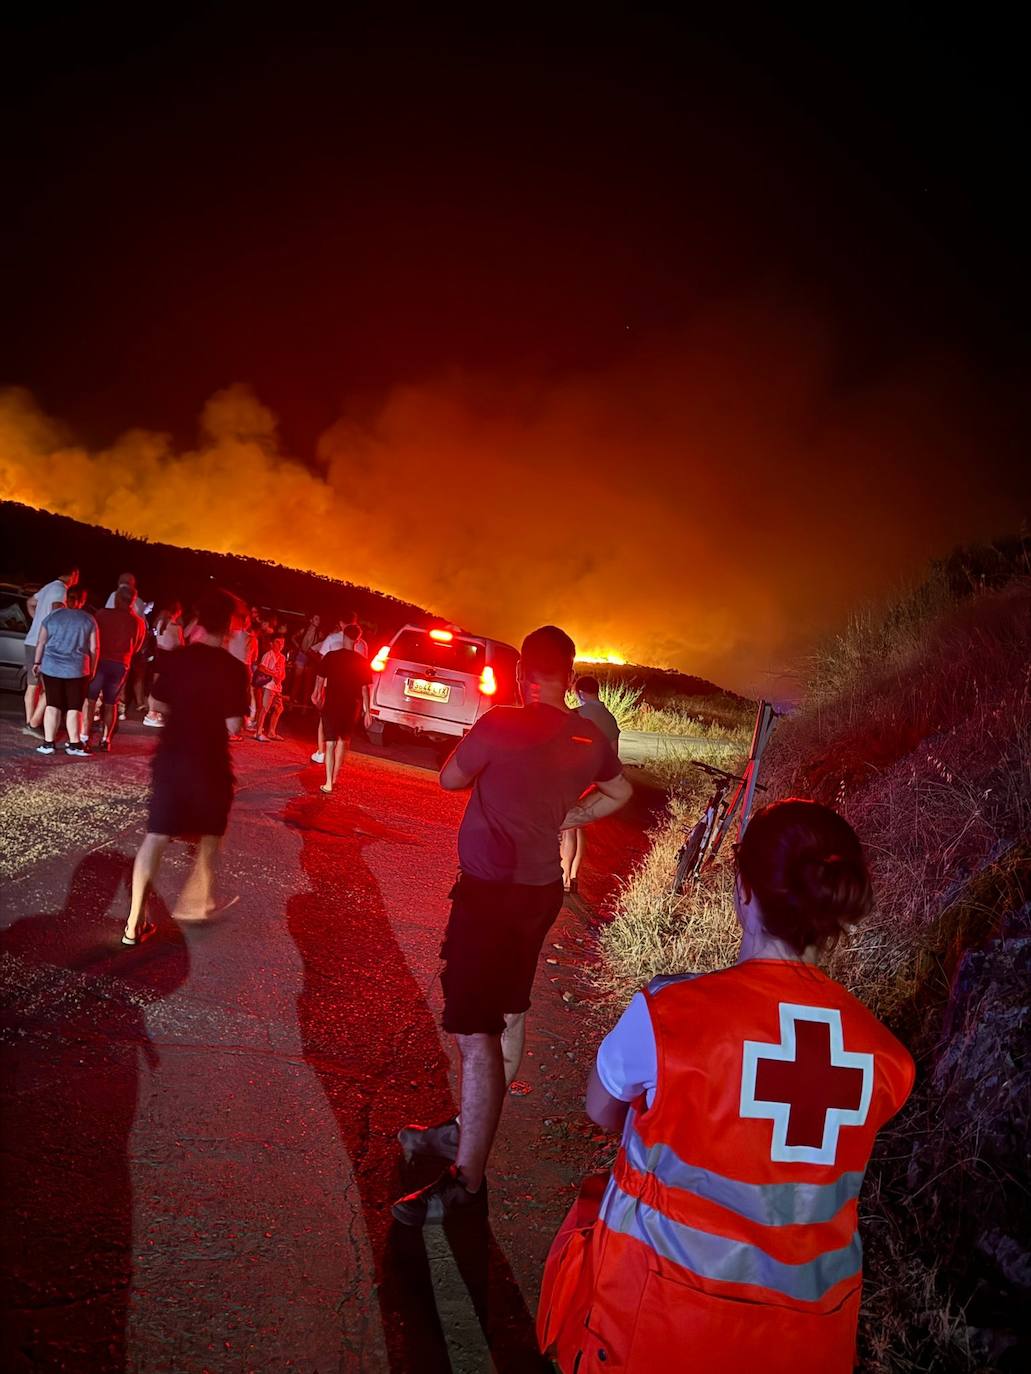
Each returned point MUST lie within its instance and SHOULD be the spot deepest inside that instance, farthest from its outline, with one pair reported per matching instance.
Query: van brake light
(380, 661)
(442, 636)
(488, 682)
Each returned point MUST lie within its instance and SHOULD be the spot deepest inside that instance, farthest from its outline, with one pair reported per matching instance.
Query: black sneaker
(44, 748)
(102, 746)
(443, 1200)
(77, 751)
(440, 1140)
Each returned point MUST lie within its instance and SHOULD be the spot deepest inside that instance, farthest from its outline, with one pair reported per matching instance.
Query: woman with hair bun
(725, 1237)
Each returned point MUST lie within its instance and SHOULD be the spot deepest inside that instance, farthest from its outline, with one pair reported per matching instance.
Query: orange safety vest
(726, 1238)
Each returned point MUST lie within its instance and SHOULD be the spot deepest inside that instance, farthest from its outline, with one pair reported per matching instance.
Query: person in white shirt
(329, 645)
(39, 606)
(273, 670)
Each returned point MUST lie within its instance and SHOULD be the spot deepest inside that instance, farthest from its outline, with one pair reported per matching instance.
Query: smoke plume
(713, 502)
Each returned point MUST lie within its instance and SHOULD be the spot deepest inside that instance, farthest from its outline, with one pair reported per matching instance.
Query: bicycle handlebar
(715, 772)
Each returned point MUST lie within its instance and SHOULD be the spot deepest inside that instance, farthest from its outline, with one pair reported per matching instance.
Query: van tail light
(488, 682)
(380, 661)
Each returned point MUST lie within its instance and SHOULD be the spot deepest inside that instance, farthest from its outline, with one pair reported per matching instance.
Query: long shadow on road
(369, 1034)
(72, 1027)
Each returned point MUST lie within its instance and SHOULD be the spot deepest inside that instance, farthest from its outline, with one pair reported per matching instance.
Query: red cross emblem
(808, 1085)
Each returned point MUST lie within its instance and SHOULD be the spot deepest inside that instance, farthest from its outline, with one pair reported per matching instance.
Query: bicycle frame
(720, 814)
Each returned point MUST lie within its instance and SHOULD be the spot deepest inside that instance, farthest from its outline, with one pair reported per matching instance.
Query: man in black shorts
(528, 767)
(342, 694)
(202, 693)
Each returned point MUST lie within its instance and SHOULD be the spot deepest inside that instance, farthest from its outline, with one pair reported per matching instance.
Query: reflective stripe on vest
(770, 1204)
(727, 1261)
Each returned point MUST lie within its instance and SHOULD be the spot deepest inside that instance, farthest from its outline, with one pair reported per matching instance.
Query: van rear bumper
(417, 724)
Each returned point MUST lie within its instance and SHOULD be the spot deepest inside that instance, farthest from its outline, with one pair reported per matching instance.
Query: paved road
(198, 1142)
(642, 747)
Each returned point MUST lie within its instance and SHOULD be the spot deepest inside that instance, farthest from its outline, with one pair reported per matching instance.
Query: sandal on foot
(144, 931)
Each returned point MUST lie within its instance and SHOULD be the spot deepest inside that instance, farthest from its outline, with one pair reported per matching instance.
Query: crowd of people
(87, 667)
(747, 1100)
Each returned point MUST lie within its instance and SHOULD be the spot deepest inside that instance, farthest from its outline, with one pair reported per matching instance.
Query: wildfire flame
(602, 656)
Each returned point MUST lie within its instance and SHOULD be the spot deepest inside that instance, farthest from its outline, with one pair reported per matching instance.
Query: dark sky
(327, 211)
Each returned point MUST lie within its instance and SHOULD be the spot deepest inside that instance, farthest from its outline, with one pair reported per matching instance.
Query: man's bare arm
(609, 797)
(452, 779)
(605, 1110)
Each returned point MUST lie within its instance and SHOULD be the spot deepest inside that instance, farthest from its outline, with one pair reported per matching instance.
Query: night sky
(687, 336)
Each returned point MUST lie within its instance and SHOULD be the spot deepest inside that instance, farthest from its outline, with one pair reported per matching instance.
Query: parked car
(438, 680)
(14, 626)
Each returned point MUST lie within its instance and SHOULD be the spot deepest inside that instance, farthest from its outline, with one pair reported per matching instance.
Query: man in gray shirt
(66, 659)
(527, 768)
(574, 842)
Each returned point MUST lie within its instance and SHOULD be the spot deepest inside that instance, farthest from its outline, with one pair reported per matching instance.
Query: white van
(437, 680)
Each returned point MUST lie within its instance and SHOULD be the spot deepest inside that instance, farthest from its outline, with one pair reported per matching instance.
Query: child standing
(272, 670)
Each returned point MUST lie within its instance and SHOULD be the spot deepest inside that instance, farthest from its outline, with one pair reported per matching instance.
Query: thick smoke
(712, 503)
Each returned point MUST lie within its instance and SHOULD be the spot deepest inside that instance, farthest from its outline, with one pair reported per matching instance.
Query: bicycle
(702, 842)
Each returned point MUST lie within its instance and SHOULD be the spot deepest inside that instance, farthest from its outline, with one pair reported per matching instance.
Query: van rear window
(460, 655)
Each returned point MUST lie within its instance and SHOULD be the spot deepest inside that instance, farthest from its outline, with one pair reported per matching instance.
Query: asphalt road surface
(199, 1134)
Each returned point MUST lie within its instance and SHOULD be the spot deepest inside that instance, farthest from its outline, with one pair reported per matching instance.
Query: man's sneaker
(440, 1140)
(102, 746)
(77, 751)
(33, 730)
(318, 756)
(441, 1201)
(156, 721)
(44, 748)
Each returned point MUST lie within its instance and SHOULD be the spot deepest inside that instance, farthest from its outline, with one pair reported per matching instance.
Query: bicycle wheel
(687, 857)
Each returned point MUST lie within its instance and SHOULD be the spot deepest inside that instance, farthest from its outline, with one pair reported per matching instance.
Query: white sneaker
(318, 757)
(155, 721)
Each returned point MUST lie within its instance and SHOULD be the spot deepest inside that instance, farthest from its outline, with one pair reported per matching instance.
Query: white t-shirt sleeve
(46, 598)
(627, 1061)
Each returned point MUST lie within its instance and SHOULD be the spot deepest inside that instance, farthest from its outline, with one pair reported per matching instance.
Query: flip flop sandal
(143, 932)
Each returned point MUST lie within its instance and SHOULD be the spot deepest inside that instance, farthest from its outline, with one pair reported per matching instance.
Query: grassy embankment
(917, 726)
(715, 726)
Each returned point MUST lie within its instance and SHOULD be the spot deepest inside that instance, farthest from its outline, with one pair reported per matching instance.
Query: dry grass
(652, 931)
(717, 716)
(930, 759)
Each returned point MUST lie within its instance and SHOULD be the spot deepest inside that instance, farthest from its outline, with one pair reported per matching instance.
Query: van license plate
(429, 691)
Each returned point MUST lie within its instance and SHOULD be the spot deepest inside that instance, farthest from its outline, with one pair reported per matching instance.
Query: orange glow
(488, 682)
(380, 661)
(442, 636)
(601, 656)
